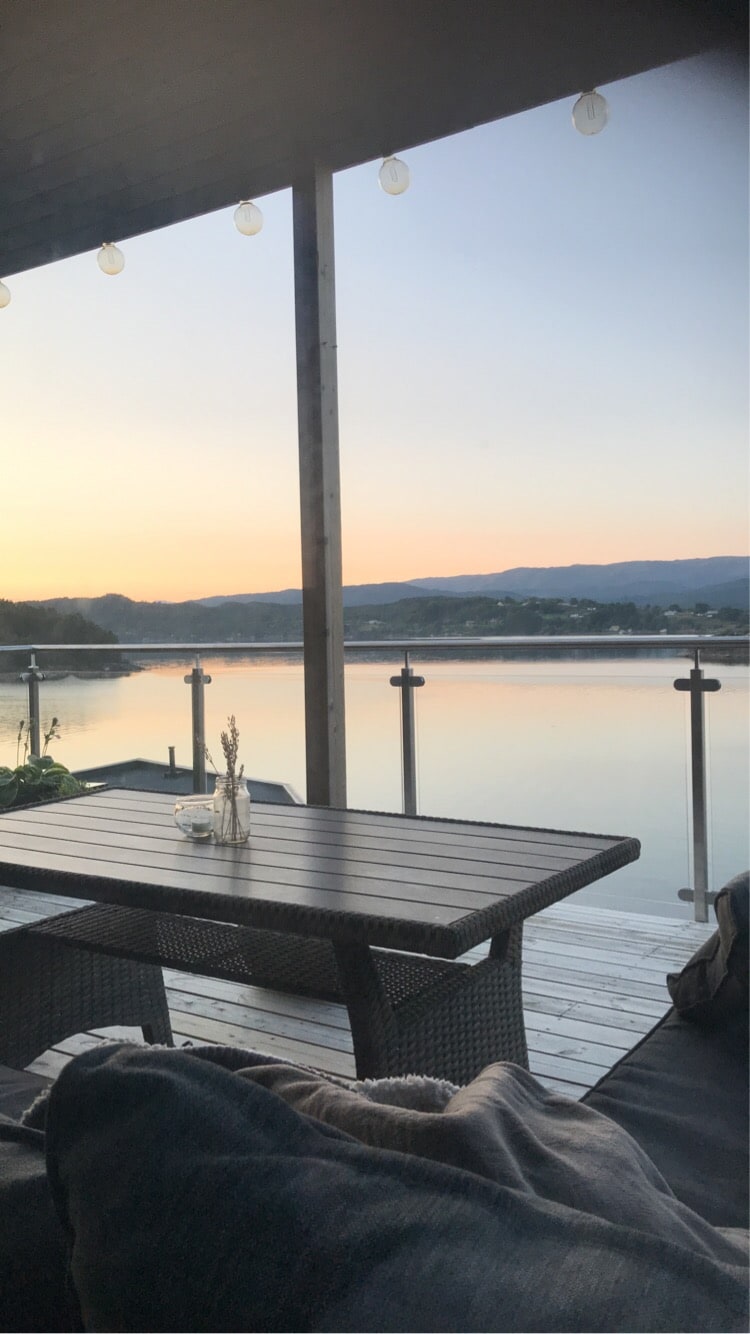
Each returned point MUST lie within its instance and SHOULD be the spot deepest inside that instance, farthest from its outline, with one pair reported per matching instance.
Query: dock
(594, 982)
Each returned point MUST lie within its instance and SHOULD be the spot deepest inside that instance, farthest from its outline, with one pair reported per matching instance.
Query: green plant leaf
(8, 787)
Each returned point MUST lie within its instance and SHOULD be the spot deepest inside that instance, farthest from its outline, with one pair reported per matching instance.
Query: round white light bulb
(248, 218)
(4, 296)
(394, 176)
(110, 259)
(590, 113)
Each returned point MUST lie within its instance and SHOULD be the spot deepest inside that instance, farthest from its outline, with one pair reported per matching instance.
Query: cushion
(34, 1292)
(34, 1289)
(195, 1198)
(682, 1093)
(714, 984)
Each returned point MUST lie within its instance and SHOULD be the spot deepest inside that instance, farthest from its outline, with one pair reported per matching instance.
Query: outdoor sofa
(213, 1189)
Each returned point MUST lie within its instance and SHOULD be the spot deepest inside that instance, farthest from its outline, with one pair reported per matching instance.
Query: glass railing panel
(266, 696)
(727, 717)
(100, 719)
(373, 735)
(597, 746)
(598, 743)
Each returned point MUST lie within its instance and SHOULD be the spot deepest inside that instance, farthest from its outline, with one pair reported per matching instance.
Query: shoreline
(738, 657)
(82, 674)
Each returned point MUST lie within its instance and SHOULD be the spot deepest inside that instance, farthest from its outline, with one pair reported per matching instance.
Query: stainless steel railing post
(697, 686)
(406, 681)
(197, 680)
(32, 677)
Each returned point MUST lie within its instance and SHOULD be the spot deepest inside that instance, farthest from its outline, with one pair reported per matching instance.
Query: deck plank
(594, 983)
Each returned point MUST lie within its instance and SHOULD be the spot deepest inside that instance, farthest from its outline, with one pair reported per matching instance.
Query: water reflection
(599, 746)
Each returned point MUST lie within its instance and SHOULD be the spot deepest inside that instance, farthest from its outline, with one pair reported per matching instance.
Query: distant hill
(355, 595)
(30, 623)
(393, 609)
(721, 581)
(430, 614)
(717, 580)
(735, 593)
(176, 622)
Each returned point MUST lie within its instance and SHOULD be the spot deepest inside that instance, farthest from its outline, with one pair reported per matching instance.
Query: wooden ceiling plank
(410, 75)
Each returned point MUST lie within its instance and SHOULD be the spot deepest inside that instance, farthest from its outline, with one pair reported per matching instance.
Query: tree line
(21, 623)
(121, 620)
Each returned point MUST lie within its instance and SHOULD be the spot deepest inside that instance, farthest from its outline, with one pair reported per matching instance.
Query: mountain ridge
(382, 610)
(718, 580)
(638, 581)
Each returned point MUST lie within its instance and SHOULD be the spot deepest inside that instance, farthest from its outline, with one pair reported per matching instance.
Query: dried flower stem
(230, 741)
(230, 744)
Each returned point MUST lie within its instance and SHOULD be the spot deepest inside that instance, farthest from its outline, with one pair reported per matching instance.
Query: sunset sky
(543, 351)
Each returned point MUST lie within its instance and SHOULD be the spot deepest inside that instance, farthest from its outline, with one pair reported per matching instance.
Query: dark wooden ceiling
(120, 117)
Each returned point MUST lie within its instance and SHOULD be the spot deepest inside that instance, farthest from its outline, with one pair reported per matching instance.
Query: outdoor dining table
(375, 909)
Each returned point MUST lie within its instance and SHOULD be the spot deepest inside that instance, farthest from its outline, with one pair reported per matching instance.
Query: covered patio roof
(120, 118)
(116, 119)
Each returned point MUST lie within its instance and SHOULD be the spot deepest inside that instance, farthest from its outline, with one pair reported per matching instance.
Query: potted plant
(36, 777)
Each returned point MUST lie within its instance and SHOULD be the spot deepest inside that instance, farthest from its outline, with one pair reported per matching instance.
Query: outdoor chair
(50, 991)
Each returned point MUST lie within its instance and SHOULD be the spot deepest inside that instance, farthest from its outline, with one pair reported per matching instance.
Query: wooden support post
(320, 491)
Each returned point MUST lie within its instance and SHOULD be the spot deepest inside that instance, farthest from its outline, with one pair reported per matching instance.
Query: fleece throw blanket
(215, 1190)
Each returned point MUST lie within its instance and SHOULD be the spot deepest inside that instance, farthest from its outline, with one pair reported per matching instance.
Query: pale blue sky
(543, 351)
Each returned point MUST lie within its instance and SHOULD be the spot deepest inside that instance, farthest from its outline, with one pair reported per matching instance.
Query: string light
(248, 218)
(590, 113)
(110, 259)
(4, 296)
(394, 176)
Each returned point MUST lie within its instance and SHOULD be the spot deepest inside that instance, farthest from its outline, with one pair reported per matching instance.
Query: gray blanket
(215, 1190)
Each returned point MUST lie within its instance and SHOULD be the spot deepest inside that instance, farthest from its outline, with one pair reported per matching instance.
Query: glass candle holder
(194, 816)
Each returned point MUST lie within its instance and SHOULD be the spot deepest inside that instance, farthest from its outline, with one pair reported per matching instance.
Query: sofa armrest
(713, 985)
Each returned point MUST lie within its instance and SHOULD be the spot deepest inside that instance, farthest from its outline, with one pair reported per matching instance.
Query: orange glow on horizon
(172, 578)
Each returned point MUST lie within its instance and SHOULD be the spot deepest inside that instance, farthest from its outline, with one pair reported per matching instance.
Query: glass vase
(231, 810)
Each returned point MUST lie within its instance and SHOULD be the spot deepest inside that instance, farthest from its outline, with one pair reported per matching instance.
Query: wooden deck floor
(594, 982)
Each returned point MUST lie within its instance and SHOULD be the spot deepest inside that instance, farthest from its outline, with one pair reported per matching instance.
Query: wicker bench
(407, 1012)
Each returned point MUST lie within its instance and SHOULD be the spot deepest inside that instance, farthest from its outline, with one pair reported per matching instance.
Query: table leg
(371, 1017)
(507, 946)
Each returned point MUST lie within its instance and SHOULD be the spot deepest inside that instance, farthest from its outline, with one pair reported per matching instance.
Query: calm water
(600, 746)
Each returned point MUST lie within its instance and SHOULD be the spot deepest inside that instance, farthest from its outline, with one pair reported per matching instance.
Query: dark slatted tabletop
(434, 887)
